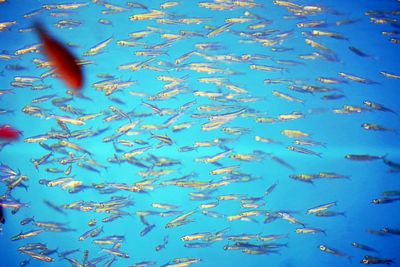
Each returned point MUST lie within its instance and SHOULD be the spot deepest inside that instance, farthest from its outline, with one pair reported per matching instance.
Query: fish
(321, 208)
(390, 231)
(28, 234)
(309, 231)
(27, 220)
(363, 157)
(96, 49)
(163, 245)
(38, 256)
(330, 214)
(2, 217)
(390, 75)
(391, 164)
(281, 161)
(147, 229)
(384, 200)
(358, 52)
(303, 150)
(334, 252)
(377, 106)
(376, 127)
(65, 63)
(355, 78)
(116, 252)
(9, 133)
(364, 247)
(367, 260)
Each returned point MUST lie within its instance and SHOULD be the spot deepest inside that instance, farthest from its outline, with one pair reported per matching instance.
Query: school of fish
(121, 146)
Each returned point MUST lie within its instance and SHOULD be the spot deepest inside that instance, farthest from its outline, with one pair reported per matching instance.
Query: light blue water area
(106, 181)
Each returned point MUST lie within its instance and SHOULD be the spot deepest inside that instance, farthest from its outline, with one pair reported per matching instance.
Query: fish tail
(40, 30)
(38, 26)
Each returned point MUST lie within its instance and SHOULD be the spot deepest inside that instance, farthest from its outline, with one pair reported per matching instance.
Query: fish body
(385, 200)
(376, 127)
(365, 157)
(309, 231)
(26, 235)
(333, 251)
(2, 217)
(368, 260)
(303, 150)
(97, 48)
(8, 133)
(321, 208)
(64, 62)
(363, 247)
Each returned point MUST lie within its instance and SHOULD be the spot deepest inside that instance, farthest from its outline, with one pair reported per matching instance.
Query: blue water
(341, 134)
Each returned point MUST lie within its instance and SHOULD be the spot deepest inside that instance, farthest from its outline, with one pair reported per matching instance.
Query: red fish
(6, 132)
(64, 62)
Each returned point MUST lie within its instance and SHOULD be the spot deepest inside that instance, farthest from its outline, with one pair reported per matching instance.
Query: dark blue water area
(240, 52)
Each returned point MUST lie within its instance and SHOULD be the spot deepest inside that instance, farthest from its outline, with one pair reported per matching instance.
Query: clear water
(342, 134)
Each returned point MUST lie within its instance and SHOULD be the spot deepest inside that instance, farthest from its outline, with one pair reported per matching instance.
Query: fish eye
(322, 247)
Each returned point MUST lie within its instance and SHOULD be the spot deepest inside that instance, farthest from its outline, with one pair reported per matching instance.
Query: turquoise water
(175, 168)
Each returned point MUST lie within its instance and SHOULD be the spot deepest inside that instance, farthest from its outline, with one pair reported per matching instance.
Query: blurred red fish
(6, 132)
(64, 62)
